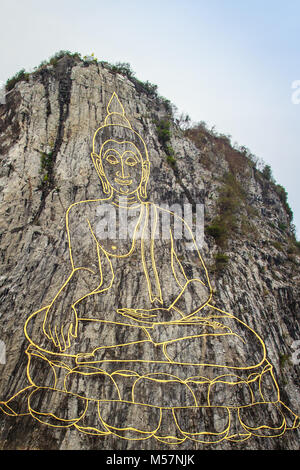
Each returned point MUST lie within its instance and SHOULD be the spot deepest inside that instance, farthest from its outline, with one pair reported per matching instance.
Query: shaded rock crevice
(63, 76)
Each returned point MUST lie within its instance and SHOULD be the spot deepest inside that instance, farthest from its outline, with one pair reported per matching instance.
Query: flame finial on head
(115, 113)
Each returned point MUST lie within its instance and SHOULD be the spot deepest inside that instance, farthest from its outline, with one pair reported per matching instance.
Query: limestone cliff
(46, 126)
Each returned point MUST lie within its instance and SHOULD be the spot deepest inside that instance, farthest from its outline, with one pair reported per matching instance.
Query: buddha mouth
(124, 190)
(124, 182)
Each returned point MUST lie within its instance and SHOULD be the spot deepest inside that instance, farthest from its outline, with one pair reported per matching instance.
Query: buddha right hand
(60, 324)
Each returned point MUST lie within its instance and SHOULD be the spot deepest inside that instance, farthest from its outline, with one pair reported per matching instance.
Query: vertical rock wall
(46, 129)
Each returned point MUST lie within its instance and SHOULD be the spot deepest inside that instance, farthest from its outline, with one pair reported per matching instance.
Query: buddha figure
(132, 344)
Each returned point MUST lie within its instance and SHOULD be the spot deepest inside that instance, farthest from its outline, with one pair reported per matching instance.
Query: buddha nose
(121, 174)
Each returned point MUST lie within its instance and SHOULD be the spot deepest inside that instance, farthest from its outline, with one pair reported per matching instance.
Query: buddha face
(122, 167)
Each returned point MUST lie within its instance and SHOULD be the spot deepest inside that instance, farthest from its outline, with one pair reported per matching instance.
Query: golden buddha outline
(83, 341)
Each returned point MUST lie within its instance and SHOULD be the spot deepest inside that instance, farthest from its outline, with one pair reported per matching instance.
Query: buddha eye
(131, 160)
(112, 159)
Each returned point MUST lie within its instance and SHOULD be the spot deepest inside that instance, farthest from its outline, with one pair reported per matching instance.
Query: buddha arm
(61, 317)
(198, 296)
(61, 321)
(194, 287)
(191, 273)
(81, 282)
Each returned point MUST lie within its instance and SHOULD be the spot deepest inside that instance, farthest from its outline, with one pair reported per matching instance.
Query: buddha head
(120, 155)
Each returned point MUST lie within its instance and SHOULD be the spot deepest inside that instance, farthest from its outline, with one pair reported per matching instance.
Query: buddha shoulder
(84, 214)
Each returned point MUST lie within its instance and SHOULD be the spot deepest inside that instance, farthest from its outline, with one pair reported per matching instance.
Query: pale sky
(230, 63)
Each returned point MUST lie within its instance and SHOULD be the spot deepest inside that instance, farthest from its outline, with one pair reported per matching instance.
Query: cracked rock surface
(46, 129)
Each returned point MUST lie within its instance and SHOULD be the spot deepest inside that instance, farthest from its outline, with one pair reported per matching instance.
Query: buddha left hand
(155, 315)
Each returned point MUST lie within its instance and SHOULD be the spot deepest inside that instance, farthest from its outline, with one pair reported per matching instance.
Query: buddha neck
(121, 200)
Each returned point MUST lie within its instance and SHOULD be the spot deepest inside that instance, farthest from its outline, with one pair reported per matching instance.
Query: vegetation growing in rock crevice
(231, 199)
(281, 192)
(122, 68)
(164, 134)
(284, 359)
(163, 129)
(240, 160)
(46, 169)
(18, 77)
(59, 55)
(221, 261)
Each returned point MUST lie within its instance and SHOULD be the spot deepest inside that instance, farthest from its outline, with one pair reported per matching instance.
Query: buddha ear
(145, 177)
(99, 168)
(146, 171)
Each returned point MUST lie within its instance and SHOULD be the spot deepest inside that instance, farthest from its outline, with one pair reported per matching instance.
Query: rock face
(47, 127)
